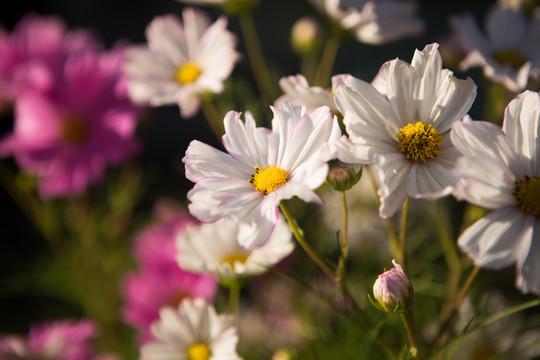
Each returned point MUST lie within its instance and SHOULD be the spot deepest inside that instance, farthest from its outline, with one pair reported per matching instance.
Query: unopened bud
(306, 36)
(392, 290)
(343, 177)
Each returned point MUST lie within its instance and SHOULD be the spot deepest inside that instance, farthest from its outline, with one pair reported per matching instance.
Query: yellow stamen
(199, 351)
(188, 73)
(234, 258)
(74, 130)
(511, 57)
(269, 179)
(419, 141)
(527, 193)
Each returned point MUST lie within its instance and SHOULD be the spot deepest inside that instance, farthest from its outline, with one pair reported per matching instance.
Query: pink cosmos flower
(160, 281)
(66, 133)
(37, 43)
(61, 340)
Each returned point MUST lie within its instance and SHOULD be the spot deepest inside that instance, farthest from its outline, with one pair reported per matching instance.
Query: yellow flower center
(188, 73)
(74, 130)
(199, 351)
(511, 57)
(269, 179)
(235, 258)
(527, 193)
(419, 141)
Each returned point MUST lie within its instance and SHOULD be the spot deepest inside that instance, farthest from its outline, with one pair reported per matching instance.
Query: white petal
(400, 84)
(244, 141)
(429, 180)
(255, 230)
(493, 241)
(362, 99)
(165, 36)
(484, 183)
(203, 160)
(528, 266)
(485, 140)
(522, 126)
(392, 173)
(505, 26)
(453, 100)
(427, 64)
(308, 138)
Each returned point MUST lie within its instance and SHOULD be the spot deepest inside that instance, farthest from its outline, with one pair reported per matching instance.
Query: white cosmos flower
(213, 248)
(262, 167)
(182, 61)
(509, 51)
(192, 332)
(500, 170)
(404, 132)
(375, 21)
(297, 91)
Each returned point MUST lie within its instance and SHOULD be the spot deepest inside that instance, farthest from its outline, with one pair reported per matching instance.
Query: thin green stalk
(448, 317)
(344, 253)
(402, 259)
(328, 58)
(256, 57)
(215, 120)
(234, 299)
(298, 234)
(413, 349)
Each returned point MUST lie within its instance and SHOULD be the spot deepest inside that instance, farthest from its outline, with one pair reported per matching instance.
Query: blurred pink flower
(37, 42)
(160, 281)
(60, 340)
(68, 132)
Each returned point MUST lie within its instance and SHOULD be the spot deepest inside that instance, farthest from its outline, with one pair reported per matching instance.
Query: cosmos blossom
(404, 130)
(508, 52)
(69, 132)
(500, 171)
(193, 331)
(184, 60)
(375, 21)
(213, 248)
(261, 168)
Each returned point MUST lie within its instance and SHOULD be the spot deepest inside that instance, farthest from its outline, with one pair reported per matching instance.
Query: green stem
(448, 317)
(413, 349)
(234, 299)
(403, 234)
(344, 242)
(256, 57)
(215, 120)
(298, 234)
(328, 58)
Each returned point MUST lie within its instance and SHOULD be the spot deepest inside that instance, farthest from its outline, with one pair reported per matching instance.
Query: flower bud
(343, 177)
(392, 290)
(306, 36)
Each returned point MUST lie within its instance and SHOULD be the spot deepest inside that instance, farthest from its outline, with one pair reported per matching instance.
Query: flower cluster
(213, 271)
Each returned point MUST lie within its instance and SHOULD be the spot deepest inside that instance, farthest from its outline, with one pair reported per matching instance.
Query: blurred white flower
(213, 248)
(262, 167)
(500, 170)
(183, 61)
(297, 91)
(193, 332)
(509, 51)
(375, 21)
(403, 130)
